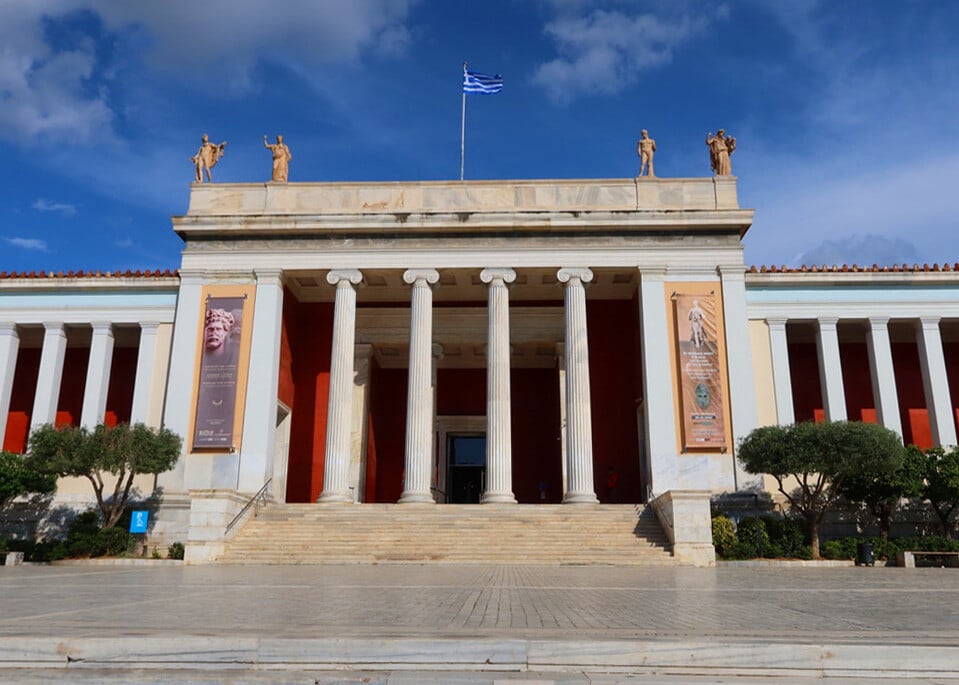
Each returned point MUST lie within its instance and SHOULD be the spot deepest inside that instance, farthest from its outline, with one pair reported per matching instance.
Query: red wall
(804, 375)
(286, 386)
(612, 373)
(123, 373)
(74, 381)
(857, 380)
(311, 341)
(912, 398)
(387, 443)
(535, 424)
(21, 400)
(461, 392)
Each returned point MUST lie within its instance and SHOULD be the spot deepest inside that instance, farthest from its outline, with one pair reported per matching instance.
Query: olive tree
(122, 451)
(19, 476)
(812, 461)
(942, 485)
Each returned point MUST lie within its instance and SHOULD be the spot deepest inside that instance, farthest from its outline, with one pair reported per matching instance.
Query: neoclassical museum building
(512, 345)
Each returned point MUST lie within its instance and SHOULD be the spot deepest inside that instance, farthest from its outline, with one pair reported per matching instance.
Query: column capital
(351, 276)
(9, 329)
(504, 274)
(268, 276)
(929, 321)
(431, 276)
(652, 274)
(878, 321)
(437, 351)
(191, 276)
(776, 323)
(568, 274)
(827, 322)
(53, 328)
(149, 326)
(729, 272)
(101, 327)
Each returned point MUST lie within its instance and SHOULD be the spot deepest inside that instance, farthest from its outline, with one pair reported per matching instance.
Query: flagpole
(463, 129)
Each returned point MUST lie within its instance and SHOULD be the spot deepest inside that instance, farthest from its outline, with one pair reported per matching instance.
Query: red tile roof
(167, 273)
(875, 268)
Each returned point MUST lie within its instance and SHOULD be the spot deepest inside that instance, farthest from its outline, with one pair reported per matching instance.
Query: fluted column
(9, 349)
(419, 398)
(98, 375)
(336, 466)
(782, 380)
(579, 423)
(885, 396)
(830, 370)
(935, 382)
(51, 373)
(499, 466)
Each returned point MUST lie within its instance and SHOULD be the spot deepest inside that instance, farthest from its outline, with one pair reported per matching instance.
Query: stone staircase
(389, 533)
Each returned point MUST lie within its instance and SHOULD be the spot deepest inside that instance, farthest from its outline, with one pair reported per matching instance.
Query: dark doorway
(467, 468)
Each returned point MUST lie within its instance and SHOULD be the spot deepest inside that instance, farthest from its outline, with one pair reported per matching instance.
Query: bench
(11, 558)
(908, 559)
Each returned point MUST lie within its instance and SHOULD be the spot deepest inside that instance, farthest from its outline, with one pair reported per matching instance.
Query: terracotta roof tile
(157, 273)
(855, 268)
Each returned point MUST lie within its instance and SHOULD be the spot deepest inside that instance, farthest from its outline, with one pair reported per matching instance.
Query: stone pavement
(478, 623)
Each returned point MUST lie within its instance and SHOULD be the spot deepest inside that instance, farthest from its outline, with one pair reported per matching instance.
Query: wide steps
(390, 533)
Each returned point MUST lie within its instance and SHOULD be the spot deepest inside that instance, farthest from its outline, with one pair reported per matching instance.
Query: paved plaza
(485, 622)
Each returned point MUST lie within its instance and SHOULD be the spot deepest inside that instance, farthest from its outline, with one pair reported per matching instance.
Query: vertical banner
(219, 371)
(700, 372)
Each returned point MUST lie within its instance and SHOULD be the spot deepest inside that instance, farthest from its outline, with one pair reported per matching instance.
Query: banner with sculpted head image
(217, 387)
(700, 371)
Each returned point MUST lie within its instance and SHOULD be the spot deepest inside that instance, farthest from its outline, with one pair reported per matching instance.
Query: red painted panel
(905, 361)
(951, 352)
(21, 400)
(856, 379)
(123, 373)
(921, 433)
(804, 375)
(869, 416)
(286, 387)
(461, 392)
(535, 422)
(388, 433)
(310, 367)
(612, 357)
(74, 381)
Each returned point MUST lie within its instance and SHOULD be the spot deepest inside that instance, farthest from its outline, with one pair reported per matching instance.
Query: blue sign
(138, 521)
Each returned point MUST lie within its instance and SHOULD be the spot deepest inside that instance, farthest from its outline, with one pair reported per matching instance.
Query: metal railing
(255, 502)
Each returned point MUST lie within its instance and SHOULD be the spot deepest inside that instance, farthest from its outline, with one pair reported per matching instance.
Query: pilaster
(782, 379)
(142, 384)
(360, 417)
(9, 349)
(935, 382)
(50, 375)
(98, 375)
(885, 396)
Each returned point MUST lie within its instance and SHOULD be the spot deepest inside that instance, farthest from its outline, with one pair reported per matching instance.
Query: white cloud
(28, 243)
(42, 205)
(604, 51)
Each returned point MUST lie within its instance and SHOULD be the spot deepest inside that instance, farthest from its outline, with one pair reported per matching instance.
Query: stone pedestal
(685, 517)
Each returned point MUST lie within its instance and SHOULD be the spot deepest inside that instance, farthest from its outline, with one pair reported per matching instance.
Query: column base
(497, 498)
(580, 498)
(335, 498)
(416, 498)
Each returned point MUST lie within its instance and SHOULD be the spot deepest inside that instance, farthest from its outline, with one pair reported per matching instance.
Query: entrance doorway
(467, 468)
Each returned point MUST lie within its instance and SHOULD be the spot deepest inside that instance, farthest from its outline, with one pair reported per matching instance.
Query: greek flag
(481, 83)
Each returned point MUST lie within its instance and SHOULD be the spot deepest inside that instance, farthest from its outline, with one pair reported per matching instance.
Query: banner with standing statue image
(700, 372)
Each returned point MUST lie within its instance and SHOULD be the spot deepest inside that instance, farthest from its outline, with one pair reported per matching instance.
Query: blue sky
(846, 112)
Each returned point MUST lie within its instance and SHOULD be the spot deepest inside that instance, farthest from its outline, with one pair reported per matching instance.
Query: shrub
(175, 551)
(839, 549)
(114, 541)
(82, 540)
(724, 534)
(753, 536)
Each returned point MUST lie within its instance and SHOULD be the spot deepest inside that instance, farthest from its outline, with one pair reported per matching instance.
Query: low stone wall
(685, 517)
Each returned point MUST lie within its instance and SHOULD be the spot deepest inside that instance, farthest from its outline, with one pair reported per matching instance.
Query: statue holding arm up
(281, 159)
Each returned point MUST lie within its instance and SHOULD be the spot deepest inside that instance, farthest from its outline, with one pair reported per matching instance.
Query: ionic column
(143, 382)
(259, 413)
(885, 396)
(782, 380)
(830, 370)
(98, 375)
(499, 466)
(360, 419)
(9, 349)
(742, 389)
(51, 373)
(419, 397)
(579, 424)
(935, 382)
(336, 462)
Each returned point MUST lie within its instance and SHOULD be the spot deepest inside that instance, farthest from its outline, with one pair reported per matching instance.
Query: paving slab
(483, 621)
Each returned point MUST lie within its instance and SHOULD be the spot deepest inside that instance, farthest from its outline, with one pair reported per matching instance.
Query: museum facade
(498, 342)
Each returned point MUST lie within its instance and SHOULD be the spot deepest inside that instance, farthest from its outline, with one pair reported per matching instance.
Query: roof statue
(720, 148)
(207, 157)
(281, 159)
(646, 148)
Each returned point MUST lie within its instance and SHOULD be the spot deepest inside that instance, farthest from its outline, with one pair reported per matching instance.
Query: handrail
(259, 496)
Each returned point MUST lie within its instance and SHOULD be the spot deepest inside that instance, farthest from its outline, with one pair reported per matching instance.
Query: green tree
(942, 485)
(19, 476)
(123, 451)
(818, 458)
(882, 492)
